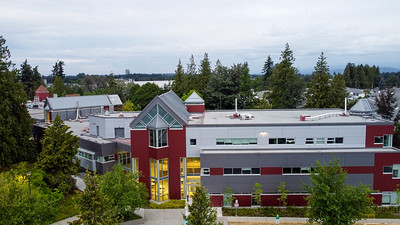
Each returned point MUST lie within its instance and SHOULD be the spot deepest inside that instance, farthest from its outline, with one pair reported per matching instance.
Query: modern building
(77, 107)
(178, 145)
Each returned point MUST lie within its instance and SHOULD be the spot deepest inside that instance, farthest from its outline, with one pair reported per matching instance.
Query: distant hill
(388, 70)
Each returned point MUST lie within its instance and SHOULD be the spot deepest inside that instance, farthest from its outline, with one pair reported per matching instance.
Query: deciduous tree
(257, 193)
(95, 207)
(57, 159)
(125, 191)
(145, 94)
(201, 212)
(331, 200)
(15, 122)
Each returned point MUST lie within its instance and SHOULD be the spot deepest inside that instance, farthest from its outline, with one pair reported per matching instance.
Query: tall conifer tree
(285, 84)
(179, 80)
(58, 157)
(15, 122)
(318, 94)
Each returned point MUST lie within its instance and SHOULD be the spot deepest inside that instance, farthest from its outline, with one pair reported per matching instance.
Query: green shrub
(171, 204)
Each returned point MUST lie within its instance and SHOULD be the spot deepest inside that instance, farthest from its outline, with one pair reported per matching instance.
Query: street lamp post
(29, 180)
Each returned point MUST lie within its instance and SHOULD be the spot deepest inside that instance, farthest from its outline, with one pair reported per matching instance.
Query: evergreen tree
(26, 77)
(179, 80)
(125, 191)
(331, 200)
(15, 122)
(58, 158)
(338, 91)
(204, 74)
(95, 207)
(318, 94)
(58, 70)
(219, 88)
(191, 78)
(245, 93)
(386, 103)
(267, 70)
(58, 87)
(285, 84)
(201, 212)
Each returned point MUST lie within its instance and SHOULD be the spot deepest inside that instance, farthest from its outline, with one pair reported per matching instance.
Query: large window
(281, 141)
(296, 170)
(159, 180)
(241, 171)
(387, 140)
(190, 175)
(125, 159)
(236, 141)
(158, 138)
(107, 158)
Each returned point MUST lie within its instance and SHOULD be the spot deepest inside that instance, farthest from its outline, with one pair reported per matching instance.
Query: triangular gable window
(157, 110)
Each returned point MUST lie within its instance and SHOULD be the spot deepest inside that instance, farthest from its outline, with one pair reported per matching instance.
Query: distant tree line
(363, 76)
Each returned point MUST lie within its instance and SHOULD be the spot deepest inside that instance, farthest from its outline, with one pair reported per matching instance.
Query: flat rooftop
(281, 117)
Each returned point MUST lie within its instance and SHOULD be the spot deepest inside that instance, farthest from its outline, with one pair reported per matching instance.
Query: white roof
(82, 101)
(194, 98)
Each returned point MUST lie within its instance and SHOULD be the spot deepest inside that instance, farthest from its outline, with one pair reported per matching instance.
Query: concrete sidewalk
(174, 217)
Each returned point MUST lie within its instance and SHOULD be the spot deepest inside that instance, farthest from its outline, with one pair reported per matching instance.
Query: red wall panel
(377, 198)
(216, 200)
(270, 200)
(243, 200)
(271, 170)
(175, 150)
(385, 182)
(296, 200)
(377, 130)
(195, 108)
(359, 169)
(216, 171)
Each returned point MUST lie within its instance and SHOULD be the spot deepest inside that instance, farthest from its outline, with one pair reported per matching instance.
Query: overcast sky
(100, 37)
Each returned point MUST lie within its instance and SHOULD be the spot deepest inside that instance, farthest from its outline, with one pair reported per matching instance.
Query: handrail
(323, 116)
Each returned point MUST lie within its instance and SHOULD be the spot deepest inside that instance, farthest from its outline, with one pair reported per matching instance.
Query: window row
(281, 141)
(296, 170)
(394, 170)
(85, 155)
(236, 141)
(107, 158)
(386, 140)
(237, 171)
(322, 140)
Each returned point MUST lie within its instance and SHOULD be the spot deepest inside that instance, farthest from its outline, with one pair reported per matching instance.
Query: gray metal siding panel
(284, 159)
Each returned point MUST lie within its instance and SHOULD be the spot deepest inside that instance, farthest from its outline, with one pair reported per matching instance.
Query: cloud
(151, 36)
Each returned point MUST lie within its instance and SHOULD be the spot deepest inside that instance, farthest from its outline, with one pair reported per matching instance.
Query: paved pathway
(174, 217)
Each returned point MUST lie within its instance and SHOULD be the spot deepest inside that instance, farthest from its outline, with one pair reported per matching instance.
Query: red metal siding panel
(296, 200)
(139, 149)
(243, 200)
(377, 198)
(216, 171)
(378, 130)
(216, 200)
(385, 182)
(358, 169)
(271, 170)
(195, 108)
(270, 200)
